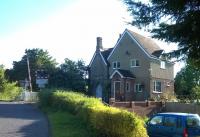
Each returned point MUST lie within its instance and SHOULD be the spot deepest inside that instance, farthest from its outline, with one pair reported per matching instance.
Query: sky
(66, 28)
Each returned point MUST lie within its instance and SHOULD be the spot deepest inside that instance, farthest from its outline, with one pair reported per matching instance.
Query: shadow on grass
(64, 124)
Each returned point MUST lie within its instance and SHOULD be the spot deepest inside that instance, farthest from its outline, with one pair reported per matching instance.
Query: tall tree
(70, 75)
(38, 59)
(173, 21)
(187, 81)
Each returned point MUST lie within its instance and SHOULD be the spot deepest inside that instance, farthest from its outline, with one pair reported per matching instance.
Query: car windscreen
(193, 121)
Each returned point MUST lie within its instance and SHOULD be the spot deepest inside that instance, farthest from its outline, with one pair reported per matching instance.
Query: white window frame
(155, 86)
(162, 65)
(115, 65)
(128, 86)
(134, 62)
(137, 86)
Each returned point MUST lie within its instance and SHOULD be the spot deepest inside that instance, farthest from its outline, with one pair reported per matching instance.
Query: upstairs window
(138, 87)
(157, 86)
(162, 64)
(135, 63)
(116, 65)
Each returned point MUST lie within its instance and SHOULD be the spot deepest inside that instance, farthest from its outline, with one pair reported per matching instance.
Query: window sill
(162, 68)
(157, 92)
(135, 66)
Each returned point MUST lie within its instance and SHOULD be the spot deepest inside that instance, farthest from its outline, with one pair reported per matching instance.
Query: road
(22, 120)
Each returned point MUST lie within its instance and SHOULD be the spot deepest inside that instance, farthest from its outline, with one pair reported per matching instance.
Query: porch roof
(123, 74)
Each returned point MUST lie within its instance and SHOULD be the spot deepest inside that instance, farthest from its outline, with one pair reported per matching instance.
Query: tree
(173, 21)
(38, 59)
(70, 75)
(8, 91)
(187, 81)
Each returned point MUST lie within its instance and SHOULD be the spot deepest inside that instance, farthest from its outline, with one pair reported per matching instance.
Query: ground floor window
(138, 87)
(157, 86)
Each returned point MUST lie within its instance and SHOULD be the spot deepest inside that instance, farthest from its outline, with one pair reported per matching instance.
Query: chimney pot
(99, 44)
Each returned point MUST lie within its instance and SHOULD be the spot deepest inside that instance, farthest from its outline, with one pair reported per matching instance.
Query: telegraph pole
(29, 74)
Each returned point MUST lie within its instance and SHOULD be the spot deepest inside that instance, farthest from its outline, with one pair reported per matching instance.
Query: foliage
(103, 120)
(38, 59)
(196, 93)
(8, 91)
(173, 21)
(186, 80)
(70, 75)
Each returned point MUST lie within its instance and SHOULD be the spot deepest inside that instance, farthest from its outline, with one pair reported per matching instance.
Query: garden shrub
(104, 121)
(10, 92)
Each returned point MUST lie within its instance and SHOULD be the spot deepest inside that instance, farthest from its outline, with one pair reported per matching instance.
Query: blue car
(174, 125)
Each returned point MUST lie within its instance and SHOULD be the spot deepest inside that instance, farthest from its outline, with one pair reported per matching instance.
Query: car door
(170, 126)
(155, 126)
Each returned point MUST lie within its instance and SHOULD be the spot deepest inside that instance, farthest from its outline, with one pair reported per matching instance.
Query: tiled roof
(106, 52)
(148, 44)
(126, 73)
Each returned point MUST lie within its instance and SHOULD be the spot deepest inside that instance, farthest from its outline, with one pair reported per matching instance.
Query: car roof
(177, 114)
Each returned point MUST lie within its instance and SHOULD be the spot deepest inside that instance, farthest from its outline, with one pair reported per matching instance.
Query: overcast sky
(66, 28)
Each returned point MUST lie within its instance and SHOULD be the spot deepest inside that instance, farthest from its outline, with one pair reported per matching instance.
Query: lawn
(65, 124)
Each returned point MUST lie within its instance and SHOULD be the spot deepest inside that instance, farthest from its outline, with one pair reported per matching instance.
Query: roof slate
(105, 53)
(126, 73)
(147, 43)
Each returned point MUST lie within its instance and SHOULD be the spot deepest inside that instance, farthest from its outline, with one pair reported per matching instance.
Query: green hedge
(105, 121)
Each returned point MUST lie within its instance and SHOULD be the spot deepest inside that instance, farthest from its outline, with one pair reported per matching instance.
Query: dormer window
(116, 65)
(135, 63)
(162, 64)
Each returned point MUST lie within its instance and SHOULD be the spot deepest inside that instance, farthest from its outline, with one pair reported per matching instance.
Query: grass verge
(65, 124)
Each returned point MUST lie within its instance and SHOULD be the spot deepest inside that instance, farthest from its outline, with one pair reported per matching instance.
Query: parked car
(174, 125)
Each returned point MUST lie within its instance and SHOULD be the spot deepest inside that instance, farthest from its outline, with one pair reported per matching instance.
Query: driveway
(22, 120)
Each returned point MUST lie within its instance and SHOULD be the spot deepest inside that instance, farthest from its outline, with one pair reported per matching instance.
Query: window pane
(157, 120)
(114, 65)
(170, 121)
(118, 64)
(162, 64)
(193, 122)
(158, 86)
(127, 86)
(140, 88)
(136, 62)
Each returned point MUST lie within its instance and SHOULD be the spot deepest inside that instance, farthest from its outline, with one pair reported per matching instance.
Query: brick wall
(142, 108)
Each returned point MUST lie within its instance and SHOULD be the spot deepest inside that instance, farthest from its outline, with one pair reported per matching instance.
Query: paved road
(22, 120)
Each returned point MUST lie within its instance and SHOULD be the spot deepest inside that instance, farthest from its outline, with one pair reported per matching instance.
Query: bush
(103, 120)
(10, 92)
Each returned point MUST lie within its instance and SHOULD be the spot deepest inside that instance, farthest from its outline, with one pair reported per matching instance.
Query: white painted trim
(116, 71)
(135, 62)
(135, 89)
(103, 59)
(154, 85)
(94, 58)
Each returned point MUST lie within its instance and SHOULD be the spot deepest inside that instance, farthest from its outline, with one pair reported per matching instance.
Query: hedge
(104, 121)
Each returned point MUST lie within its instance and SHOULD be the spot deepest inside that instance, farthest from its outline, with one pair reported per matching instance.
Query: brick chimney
(99, 44)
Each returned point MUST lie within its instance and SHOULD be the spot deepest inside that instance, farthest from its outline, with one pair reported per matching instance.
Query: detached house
(134, 70)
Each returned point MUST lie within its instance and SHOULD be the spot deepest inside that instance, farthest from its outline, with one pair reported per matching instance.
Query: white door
(99, 91)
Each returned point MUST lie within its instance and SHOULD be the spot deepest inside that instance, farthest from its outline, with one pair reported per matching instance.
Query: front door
(119, 95)
(99, 91)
